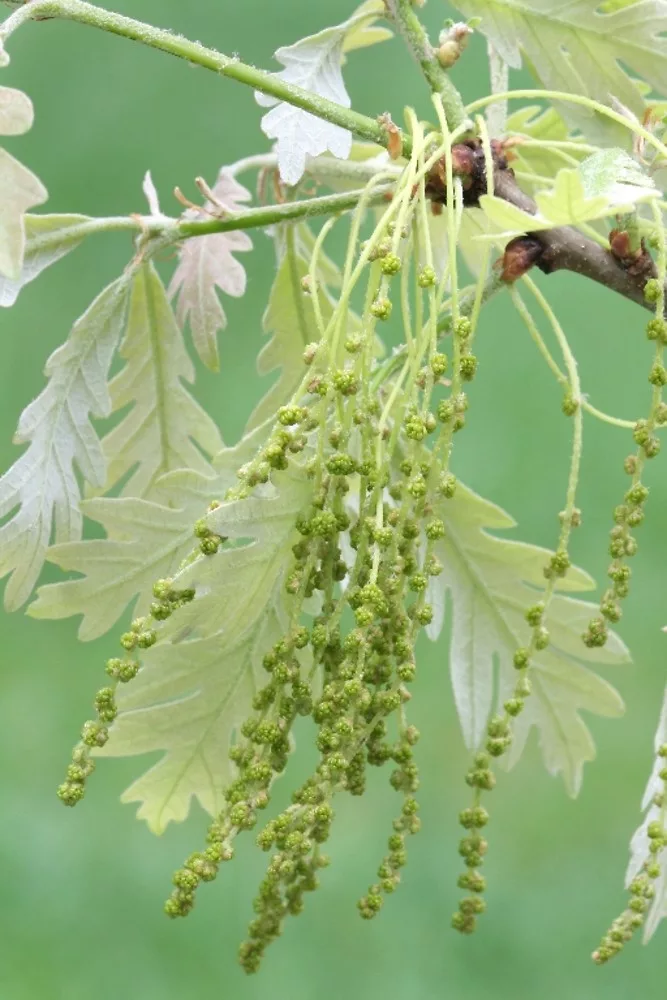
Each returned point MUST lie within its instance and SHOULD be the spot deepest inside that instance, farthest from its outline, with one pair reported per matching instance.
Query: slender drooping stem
(193, 52)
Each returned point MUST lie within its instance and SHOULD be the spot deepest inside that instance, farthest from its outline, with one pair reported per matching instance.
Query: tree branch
(85, 13)
(406, 20)
(566, 249)
(562, 248)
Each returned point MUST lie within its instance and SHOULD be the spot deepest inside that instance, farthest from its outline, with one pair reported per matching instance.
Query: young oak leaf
(579, 48)
(362, 31)
(57, 425)
(165, 428)
(207, 263)
(492, 581)
(196, 684)
(639, 844)
(20, 190)
(604, 184)
(290, 319)
(314, 63)
(145, 540)
(47, 239)
(539, 125)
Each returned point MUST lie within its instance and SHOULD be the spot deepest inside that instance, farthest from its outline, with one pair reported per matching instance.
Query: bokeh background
(81, 892)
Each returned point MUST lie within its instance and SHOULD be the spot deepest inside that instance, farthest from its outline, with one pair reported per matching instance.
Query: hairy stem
(193, 52)
(270, 215)
(406, 20)
(163, 226)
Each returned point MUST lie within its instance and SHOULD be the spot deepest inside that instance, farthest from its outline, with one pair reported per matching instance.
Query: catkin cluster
(376, 454)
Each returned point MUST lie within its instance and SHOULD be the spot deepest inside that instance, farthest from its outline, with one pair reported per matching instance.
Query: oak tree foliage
(291, 573)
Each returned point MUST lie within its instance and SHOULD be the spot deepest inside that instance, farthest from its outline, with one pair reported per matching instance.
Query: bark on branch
(563, 248)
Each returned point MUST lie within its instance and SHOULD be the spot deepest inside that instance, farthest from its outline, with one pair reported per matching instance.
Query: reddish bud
(394, 140)
(520, 255)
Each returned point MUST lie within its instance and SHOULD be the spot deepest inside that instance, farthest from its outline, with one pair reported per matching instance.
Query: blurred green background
(82, 892)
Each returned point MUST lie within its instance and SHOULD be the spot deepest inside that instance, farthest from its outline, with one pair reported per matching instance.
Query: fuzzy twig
(360, 125)
(405, 18)
(564, 248)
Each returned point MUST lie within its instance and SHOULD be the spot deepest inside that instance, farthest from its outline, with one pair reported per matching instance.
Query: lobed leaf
(290, 320)
(491, 582)
(607, 183)
(47, 239)
(207, 263)
(314, 63)
(639, 844)
(20, 190)
(539, 124)
(581, 47)
(42, 483)
(145, 540)
(16, 114)
(165, 428)
(196, 684)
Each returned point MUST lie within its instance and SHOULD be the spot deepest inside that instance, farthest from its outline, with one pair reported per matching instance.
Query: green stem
(199, 55)
(270, 215)
(406, 20)
(467, 300)
(560, 376)
(185, 228)
(578, 99)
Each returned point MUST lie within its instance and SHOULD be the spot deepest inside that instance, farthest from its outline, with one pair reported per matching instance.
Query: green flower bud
(426, 277)
(391, 264)
(652, 290)
(381, 309)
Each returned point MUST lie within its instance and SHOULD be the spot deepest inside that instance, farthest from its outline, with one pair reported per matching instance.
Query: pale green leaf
(568, 203)
(48, 238)
(614, 174)
(328, 271)
(207, 263)
(506, 220)
(499, 75)
(145, 541)
(290, 320)
(639, 845)
(20, 190)
(42, 483)
(362, 30)
(314, 63)
(491, 582)
(604, 184)
(165, 428)
(196, 684)
(578, 48)
(540, 125)
(610, 5)
(16, 113)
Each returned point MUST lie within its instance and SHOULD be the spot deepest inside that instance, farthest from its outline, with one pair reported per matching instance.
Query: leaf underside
(491, 582)
(196, 684)
(57, 426)
(578, 48)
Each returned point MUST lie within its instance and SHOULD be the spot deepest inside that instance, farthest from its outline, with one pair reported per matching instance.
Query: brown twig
(563, 248)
